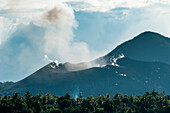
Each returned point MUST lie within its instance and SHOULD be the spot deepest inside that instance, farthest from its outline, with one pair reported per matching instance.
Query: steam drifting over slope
(42, 31)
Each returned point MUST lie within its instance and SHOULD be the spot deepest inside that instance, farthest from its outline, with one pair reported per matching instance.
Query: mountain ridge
(141, 47)
(98, 80)
(112, 73)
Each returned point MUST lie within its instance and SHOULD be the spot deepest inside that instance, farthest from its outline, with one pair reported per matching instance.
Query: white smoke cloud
(114, 59)
(46, 58)
(59, 23)
(57, 40)
(56, 18)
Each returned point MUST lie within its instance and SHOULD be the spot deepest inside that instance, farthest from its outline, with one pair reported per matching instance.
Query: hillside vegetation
(150, 102)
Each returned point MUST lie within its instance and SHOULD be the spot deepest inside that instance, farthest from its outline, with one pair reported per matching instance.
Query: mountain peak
(147, 46)
(150, 35)
(148, 32)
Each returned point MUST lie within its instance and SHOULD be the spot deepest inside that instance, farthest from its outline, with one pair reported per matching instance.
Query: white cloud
(18, 12)
(154, 18)
(79, 5)
(107, 5)
(7, 27)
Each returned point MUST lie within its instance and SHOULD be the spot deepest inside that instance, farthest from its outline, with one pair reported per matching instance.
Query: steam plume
(46, 58)
(59, 23)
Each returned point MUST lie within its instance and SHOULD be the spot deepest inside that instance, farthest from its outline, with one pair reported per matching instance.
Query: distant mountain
(147, 46)
(133, 67)
(5, 84)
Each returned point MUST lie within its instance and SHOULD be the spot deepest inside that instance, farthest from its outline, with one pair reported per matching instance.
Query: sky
(36, 32)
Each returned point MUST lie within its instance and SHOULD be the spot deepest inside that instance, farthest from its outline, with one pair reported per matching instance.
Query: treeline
(150, 102)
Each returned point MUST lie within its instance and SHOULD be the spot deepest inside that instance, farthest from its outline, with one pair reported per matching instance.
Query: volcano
(133, 67)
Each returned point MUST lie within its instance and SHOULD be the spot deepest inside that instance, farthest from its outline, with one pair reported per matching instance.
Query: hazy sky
(33, 32)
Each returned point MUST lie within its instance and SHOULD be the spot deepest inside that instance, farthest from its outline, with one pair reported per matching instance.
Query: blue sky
(34, 32)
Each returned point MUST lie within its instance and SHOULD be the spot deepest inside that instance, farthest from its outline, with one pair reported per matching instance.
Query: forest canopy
(150, 102)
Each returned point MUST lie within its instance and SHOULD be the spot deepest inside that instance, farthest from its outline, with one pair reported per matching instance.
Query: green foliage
(151, 102)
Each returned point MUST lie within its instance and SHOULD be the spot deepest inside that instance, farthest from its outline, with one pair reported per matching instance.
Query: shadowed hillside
(133, 67)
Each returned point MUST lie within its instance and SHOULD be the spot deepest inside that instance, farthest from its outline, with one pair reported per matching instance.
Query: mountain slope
(133, 67)
(129, 77)
(147, 46)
